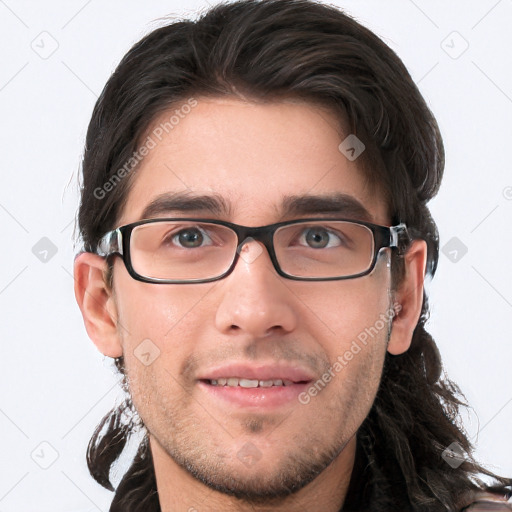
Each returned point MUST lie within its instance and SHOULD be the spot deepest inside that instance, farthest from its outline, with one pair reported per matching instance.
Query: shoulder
(486, 502)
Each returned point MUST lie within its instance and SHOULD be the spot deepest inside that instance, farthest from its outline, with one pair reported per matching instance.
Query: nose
(255, 300)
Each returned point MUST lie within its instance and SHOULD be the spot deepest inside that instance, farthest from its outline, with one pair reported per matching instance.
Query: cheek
(357, 359)
(159, 326)
(362, 379)
(350, 321)
(162, 313)
(344, 312)
(339, 401)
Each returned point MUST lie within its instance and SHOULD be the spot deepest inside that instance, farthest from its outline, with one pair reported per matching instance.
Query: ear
(409, 295)
(97, 304)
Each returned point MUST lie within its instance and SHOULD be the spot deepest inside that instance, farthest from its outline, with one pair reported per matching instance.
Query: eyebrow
(338, 204)
(186, 202)
(342, 205)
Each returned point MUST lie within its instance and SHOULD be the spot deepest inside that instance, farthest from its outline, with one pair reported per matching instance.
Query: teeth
(249, 383)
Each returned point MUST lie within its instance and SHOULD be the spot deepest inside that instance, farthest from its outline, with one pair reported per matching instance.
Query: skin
(252, 154)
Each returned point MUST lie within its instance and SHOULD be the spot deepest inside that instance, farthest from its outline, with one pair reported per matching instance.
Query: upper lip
(258, 371)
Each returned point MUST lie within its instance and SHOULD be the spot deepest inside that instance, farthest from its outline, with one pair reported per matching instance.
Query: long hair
(267, 50)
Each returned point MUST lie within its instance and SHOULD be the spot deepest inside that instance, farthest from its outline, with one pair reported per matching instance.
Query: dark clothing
(488, 505)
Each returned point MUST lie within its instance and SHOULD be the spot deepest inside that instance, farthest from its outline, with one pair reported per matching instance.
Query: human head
(320, 58)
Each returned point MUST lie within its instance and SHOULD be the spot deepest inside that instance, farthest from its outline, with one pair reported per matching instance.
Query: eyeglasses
(188, 250)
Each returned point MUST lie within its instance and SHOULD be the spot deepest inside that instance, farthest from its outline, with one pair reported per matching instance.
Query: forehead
(257, 161)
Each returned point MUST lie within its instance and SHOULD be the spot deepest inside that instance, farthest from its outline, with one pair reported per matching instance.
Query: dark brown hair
(264, 51)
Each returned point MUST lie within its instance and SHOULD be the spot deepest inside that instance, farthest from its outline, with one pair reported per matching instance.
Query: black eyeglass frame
(117, 242)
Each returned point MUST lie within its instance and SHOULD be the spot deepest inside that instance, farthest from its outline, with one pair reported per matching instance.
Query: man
(256, 238)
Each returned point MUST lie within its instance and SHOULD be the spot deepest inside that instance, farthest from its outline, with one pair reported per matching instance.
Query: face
(253, 323)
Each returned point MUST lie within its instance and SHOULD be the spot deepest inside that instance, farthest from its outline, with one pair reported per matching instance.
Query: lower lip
(273, 396)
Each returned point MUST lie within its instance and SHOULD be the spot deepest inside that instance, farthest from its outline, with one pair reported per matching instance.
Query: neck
(179, 491)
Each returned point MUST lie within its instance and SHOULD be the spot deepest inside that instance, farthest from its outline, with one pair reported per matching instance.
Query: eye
(319, 237)
(189, 238)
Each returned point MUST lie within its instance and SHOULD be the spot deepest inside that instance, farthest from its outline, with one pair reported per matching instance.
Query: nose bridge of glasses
(254, 234)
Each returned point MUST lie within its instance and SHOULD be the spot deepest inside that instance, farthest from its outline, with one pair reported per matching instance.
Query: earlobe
(409, 295)
(96, 303)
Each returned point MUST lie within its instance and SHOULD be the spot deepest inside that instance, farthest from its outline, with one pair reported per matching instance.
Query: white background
(55, 386)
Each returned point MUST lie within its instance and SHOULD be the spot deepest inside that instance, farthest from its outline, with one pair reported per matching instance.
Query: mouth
(256, 387)
(250, 383)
